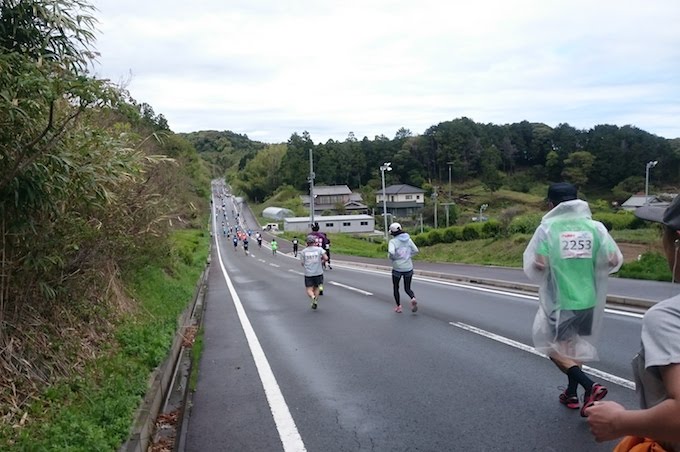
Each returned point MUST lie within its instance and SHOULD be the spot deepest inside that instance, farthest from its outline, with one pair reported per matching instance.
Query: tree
(491, 178)
(577, 167)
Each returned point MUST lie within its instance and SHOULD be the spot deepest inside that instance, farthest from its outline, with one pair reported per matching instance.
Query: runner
(245, 245)
(235, 241)
(656, 367)
(295, 246)
(258, 236)
(275, 246)
(399, 250)
(311, 259)
(323, 242)
(571, 256)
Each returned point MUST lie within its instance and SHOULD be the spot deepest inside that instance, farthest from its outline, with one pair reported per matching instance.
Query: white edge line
(350, 288)
(504, 340)
(288, 432)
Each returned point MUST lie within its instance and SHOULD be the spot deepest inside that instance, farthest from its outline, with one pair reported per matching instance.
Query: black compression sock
(576, 373)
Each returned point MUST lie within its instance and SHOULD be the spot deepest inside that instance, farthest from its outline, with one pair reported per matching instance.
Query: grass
(645, 236)
(196, 352)
(498, 251)
(94, 411)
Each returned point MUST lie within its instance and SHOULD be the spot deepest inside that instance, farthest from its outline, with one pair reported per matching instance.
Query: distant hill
(225, 151)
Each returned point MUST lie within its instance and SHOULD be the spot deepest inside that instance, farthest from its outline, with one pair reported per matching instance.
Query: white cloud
(270, 68)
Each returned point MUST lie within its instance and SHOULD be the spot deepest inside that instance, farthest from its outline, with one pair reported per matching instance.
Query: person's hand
(603, 420)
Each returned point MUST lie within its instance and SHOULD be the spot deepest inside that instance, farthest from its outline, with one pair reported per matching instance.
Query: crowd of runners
(570, 257)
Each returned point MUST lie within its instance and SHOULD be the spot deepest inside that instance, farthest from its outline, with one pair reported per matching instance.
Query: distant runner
(399, 250)
(295, 246)
(311, 259)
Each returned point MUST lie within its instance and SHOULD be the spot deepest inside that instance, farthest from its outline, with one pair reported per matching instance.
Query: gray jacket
(400, 250)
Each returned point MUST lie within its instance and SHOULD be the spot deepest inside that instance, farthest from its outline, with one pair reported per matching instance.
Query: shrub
(525, 224)
(471, 232)
(452, 234)
(619, 220)
(651, 266)
(435, 236)
(421, 239)
(491, 228)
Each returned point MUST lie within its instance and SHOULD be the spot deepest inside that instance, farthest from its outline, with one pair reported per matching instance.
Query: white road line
(349, 288)
(262, 260)
(296, 272)
(274, 265)
(288, 432)
(504, 340)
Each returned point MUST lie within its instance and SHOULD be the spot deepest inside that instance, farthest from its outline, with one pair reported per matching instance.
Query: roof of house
(639, 201)
(321, 190)
(401, 189)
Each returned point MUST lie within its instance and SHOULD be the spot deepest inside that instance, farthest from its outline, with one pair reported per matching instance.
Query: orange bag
(638, 444)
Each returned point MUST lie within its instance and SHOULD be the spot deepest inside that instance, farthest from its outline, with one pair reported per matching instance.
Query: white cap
(395, 227)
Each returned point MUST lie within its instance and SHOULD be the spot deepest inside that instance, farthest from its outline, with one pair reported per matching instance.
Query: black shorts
(313, 281)
(573, 323)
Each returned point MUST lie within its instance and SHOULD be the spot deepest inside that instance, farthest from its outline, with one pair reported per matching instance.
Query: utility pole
(434, 198)
(449, 163)
(311, 188)
(447, 204)
(385, 167)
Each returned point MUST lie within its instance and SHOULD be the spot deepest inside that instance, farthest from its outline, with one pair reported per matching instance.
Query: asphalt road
(353, 375)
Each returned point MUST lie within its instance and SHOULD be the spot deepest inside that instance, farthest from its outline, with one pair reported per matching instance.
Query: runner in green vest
(571, 256)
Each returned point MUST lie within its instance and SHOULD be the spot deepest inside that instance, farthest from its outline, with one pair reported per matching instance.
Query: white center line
(350, 288)
(296, 272)
(504, 340)
(274, 265)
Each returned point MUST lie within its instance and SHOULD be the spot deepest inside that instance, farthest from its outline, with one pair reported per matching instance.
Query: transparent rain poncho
(570, 256)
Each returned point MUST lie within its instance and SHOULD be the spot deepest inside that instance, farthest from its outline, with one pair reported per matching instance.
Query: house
(331, 223)
(329, 197)
(401, 200)
(638, 200)
(277, 213)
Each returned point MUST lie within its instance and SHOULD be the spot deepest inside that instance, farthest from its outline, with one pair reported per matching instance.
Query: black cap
(561, 191)
(668, 215)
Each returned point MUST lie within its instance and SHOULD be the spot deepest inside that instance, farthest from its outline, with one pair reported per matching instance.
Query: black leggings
(396, 276)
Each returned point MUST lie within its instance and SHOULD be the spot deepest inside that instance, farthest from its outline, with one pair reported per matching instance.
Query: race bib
(576, 245)
(312, 257)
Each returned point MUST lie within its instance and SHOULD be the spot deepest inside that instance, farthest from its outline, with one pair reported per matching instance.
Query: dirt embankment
(631, 251)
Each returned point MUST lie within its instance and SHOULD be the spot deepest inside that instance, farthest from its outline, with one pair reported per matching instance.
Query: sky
(271, 68)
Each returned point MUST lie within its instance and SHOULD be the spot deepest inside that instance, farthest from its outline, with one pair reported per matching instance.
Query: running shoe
(414, 304)
(398, 309)
(570, 401)
(597, 392)
(320, 289)
(314, 303)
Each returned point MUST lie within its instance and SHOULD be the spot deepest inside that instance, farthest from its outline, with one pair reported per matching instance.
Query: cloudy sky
(269, 68)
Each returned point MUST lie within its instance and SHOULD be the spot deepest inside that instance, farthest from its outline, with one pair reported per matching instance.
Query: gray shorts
(313, 281)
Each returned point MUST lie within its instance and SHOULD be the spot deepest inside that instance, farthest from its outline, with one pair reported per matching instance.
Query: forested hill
(224, 150)
(606, 157)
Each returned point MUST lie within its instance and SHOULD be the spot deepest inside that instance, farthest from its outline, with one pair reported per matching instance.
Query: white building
(332, 223)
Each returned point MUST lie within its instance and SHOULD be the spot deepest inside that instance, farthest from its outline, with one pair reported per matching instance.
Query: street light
(482, 208)
(649, 166)
(385, 167)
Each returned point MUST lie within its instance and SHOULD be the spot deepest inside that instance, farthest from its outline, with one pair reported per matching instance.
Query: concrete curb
(511, 285)
(159, 381)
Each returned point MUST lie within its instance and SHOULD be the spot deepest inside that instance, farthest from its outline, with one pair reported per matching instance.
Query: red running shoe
(570, 401)
(597, 392)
